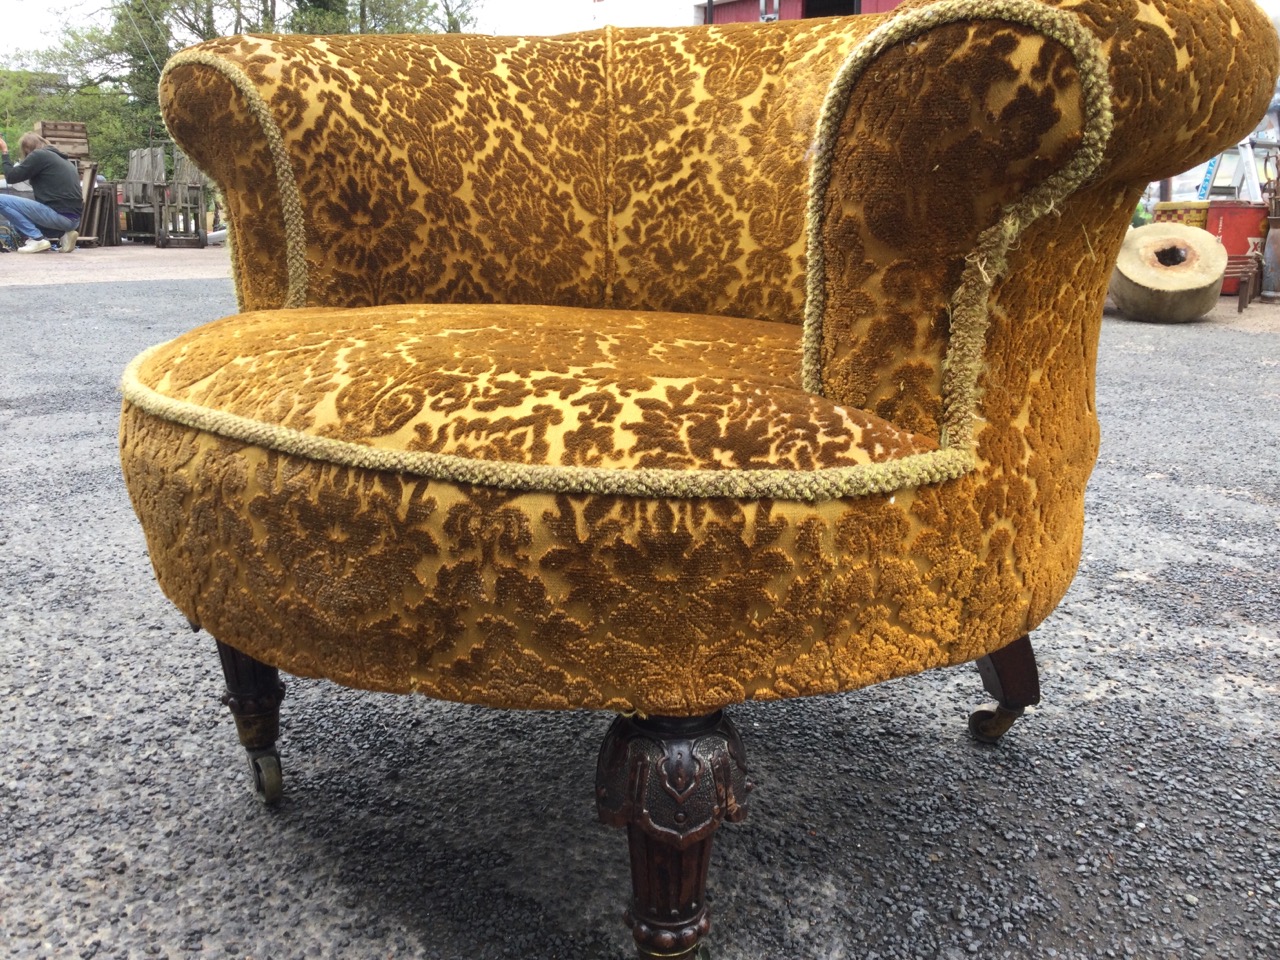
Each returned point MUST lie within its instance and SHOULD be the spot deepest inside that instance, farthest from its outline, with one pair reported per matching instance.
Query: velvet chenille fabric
(658, 370)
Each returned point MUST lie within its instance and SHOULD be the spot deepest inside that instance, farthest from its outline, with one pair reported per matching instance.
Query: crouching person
(55, 184)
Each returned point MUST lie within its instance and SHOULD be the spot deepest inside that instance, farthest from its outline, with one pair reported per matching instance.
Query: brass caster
(267, 781)
(988, 726)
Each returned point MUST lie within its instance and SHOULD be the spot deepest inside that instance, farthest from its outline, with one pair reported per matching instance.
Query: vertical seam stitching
(610, 162)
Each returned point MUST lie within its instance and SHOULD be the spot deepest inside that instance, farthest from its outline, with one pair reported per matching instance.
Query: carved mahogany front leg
(670, 781)
(1010, 675)
(253, 696)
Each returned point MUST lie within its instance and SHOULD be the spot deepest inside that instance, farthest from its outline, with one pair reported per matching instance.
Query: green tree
(107, 77)
(384, 16)
(115, 124)
(21, 92)
(452, 16)
(320, 17)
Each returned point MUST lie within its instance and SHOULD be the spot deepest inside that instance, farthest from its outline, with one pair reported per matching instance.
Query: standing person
(55, 184)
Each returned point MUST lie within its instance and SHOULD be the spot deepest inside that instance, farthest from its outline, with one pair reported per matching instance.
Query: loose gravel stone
(1132, 814)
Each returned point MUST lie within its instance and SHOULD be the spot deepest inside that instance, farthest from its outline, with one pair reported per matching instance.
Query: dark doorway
(831, 8)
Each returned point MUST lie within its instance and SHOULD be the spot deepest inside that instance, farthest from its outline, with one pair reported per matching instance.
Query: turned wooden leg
(253, 696)
(1010, 675)
(670, 781)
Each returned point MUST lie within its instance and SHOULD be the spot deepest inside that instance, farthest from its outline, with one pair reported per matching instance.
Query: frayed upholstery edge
(986, 263)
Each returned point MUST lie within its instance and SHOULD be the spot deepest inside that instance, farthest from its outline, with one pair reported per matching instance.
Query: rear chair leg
(670, 781)
(253, 696)
(1010, 675)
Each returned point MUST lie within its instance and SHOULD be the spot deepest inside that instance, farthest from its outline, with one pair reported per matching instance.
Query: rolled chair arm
(369, 170)
(959, 115)
(975, 175)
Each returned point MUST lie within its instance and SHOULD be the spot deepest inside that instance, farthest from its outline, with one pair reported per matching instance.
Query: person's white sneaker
(68, 241)
(34, 246)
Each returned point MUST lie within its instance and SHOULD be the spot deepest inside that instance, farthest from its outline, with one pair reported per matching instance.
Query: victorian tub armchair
(652, 371)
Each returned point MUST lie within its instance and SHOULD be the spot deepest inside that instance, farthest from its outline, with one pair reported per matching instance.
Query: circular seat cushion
(538, 507)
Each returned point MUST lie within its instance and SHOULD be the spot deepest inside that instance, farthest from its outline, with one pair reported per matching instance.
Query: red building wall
(744, 11)
(738, 11)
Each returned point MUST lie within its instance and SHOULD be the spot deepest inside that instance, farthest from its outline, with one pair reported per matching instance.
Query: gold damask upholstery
(657, 370)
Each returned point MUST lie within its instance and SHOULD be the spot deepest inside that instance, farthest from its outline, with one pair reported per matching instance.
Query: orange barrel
(1242, 227)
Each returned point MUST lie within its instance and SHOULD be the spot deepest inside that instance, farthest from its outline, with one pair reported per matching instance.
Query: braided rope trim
(825, 484)
(295, 231)
(962, 363)
(986, 263)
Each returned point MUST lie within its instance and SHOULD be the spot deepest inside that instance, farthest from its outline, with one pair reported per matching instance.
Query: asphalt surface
(1134, 814)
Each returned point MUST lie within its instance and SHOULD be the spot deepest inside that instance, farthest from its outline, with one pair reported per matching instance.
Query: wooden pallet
(167, 210)
(141, 193)
(1248, 270)
(100, 222)
(69, 137)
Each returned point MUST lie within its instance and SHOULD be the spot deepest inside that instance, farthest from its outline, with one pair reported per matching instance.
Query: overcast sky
(31, 24)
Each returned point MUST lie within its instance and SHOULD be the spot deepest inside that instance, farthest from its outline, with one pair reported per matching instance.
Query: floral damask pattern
(999, 110)
(563, 170)
(454, 169)
(538, 385)
(538, 600)
(651, 171)
(714, 158)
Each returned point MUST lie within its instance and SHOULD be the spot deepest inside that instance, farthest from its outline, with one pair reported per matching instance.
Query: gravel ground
(1134, 814)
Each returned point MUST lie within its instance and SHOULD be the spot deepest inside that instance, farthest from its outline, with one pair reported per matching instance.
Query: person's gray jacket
(53, 178)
